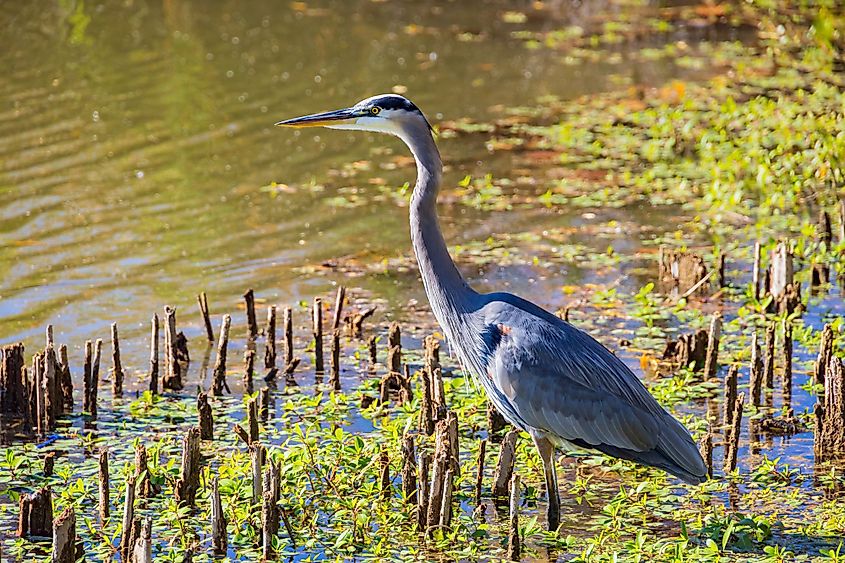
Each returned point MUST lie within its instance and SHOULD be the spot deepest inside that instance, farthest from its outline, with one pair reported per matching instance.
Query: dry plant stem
(202, 300)
(707, 451)
(335, 367)
(49, 463)
(769, 362)
(257, 456)
(206, 418)
(95, 378)
(142, 551)
(409, 475)
(786, 361)
(67, 381)
(446, 500)
(252, 323)
(424, 490)
(825, 352)
(733, 434)
(384, 474)
(270, 345)
(126, 540)
(219, 377)
(142, 473)
(394, 349)
(64, 537)
(514, 548)
(172, 368)
(154, 355)
(288, 322)
(317, 333)
(117, 374)
(730, 394)
(219, 538)
(35, 519)
(86, 377)
(479, 472)
(252, 420)
(755, 273)
(713, 337)
(189, 474)
(373, 353)
(103, 479)
(338, 307)
(249, 370)
(504, 465)
(756, 372)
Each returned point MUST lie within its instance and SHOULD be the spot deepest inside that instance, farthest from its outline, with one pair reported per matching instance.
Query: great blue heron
(545, 376)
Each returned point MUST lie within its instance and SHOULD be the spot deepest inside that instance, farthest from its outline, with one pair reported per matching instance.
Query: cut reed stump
(287, 319)
(249, 370)
(384, 474)
(786, 361)
(684, 270)
(825, 353)
(689, 349)
(711, 361)
(154, 355)
(317, 333)
(496, 423)
(103, 485)
(436, 490)
(86, 377)
(733, 433)
(66, 379)
(769, 362)
(49, 463)
(446, 500)
(270, 344)
(340, 297)
(335, 367)
(257, 456)
(829, 435)
(219, 378)
(14, 397)
(513, 530)
(706, 450)
(756, 372)
(252, 419)
(263, 403)
(504, 465)
(373, 353)
(755, 273)
(202, 301)
(423, 490)
(730, 395)
(95, 379)
(189, 475)
(219, 539)
(172, 369)
(355, 322)
(251, 320)
(35, 519)
(142, 550)
(127, 540)
(394, 348)
(144, 485)
(64, 537)
(206, 418)
(409, 476)
(479, 473)
(426, 416)
(117, 374)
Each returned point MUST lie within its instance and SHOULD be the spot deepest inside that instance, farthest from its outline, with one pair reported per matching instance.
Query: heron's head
(385, 113)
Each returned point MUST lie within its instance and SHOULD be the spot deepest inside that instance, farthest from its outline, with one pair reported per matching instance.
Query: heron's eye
(375, 110)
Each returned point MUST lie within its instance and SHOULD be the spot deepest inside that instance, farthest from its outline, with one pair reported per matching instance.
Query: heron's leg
(547, 454)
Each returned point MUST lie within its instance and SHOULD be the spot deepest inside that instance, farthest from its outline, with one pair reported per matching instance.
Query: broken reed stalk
(270, 513)
(206, 418)
(142, 550)
(189, 474)
(426, 417)
(142, 472)
(249, 370)
(384, 474)
(409, 475)
(35, 519)
(733, 433)
(513, 530)
(755, 272)
(504, 465)
(825, 353)
(202, 300)
(446, 500)
(126, 539)
(251, 321)
(154, 355)
(435, 495)
(769, 362)
(86, 377)
(270, 344)
(317, 333)
(103, 482)
(116, 369)
(394, 348)
(14, 398)
(38, 393)
(219, 539)
(219, 378)
(252, 419)
(64, 537)
(338, 307)
(786, 361)
(257, 456)
(756, 371)
(423, 490)
(66, 380)
(172, 369)
(829, 435)
(49, 463)
(479, 472)
(95, 379)
(731, 380)
(288, 322)
(335, 367)
(713, 337)
(373, 353)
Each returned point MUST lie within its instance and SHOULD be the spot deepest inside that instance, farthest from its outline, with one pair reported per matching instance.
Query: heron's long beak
(335, 117)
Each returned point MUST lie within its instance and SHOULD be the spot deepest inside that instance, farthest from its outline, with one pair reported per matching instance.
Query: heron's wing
(561, 381)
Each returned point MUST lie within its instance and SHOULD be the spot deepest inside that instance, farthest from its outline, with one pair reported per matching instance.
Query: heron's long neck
(448, 293)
